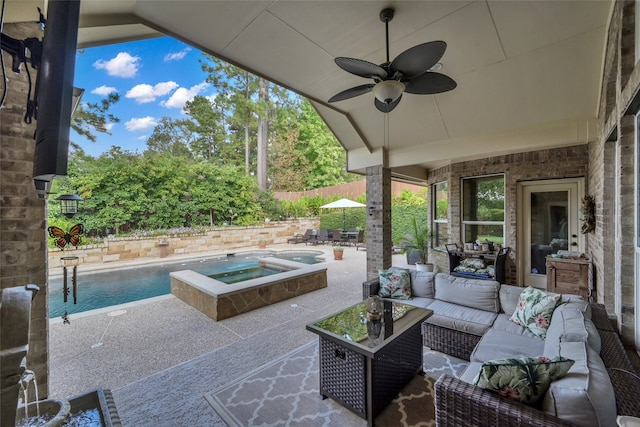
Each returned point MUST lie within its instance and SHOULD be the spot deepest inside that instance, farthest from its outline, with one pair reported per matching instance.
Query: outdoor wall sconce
(371, 210)
(69, 204)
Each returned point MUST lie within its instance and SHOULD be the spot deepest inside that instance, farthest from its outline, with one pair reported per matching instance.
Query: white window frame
(465, 223)
(434, 202)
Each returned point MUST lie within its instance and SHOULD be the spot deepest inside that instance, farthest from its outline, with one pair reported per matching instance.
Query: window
(483, 209)
(440, 203)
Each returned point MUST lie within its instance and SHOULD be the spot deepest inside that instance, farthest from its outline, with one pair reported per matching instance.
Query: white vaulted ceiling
(528, 72)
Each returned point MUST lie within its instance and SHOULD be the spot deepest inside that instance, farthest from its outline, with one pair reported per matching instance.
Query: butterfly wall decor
(63, 238)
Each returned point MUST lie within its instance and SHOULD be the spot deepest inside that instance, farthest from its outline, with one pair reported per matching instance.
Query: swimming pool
(104, 289)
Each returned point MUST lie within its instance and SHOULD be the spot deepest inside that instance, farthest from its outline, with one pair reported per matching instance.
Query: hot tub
(220, 300)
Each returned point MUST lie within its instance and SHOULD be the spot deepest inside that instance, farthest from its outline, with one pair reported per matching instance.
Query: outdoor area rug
(285, 393)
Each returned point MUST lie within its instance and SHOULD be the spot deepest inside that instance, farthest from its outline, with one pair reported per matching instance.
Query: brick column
(379, 224)
(626, 222)
(23, 241)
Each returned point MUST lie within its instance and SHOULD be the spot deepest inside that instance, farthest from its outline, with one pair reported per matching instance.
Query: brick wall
(528, 166)
(626, 221)
(612, 173)
(23, 251)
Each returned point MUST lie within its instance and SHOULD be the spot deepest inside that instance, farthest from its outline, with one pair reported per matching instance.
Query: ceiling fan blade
(418, 59)
(360, 67)
(386, 108)
(352, 92)
(429, 84)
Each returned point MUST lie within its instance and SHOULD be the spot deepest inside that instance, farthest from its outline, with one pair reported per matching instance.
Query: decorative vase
(374, 328)
(262, 244)
(424, 267)
(337, 254)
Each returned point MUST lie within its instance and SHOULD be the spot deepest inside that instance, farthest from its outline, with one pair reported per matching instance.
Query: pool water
(104, 289)
(243, 274)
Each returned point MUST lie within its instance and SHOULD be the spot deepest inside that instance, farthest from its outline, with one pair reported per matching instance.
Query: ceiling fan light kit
(413, 71)
(388, 91)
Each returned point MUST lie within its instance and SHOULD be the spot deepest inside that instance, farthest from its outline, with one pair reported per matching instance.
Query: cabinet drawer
(569, 276)
(568, 268)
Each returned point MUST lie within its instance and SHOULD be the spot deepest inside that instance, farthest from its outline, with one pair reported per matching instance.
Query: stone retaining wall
(217, 239)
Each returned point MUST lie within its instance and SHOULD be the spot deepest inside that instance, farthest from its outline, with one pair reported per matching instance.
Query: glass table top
(352, 324)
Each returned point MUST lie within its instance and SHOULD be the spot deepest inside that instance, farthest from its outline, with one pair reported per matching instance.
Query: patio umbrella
(343, 203)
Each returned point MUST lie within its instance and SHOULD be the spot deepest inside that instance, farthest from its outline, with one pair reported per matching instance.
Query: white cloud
(182, 95)
(109, 126)
(144, 93)
(142, 137)
(140, 124)
(104, 90)
(123, 65)
(176, 56)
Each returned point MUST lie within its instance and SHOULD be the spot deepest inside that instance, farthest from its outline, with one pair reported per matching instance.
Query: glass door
(548, 223)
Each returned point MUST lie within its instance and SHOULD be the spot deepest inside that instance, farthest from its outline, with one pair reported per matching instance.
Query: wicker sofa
(471, 322)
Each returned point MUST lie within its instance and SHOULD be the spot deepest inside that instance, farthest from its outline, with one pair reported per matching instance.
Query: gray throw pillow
(423, 283)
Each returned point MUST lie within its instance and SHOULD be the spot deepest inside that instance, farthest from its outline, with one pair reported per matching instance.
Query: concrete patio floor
(160, 356)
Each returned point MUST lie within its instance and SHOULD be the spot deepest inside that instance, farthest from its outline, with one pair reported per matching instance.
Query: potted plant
(262, 243)
(338, 252)
(416, 245)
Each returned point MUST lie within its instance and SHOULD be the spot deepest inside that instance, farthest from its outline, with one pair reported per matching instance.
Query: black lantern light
(69, 204)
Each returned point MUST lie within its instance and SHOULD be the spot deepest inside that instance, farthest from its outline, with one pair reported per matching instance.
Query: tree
(236, 89)
(263, 132)
(207, 128)
(292, 168)
(112, 187)
(251, 104)
(324, 153)
(171, 136)
(90, 117)
(125, 191)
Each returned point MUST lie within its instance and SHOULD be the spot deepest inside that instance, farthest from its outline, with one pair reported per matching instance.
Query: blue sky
(154, 79)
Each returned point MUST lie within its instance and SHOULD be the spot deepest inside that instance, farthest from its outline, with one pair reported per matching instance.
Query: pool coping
(209, 285)
(57, 272)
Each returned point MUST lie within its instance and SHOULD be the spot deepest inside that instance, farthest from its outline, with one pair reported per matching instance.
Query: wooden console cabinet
(569, 276)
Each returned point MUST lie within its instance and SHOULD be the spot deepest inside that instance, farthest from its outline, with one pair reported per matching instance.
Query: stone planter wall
(216, 240)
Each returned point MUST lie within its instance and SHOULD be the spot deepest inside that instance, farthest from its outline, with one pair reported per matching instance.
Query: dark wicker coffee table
(364, 373)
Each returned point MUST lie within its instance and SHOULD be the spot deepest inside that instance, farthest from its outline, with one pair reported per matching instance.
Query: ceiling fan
(410, 72)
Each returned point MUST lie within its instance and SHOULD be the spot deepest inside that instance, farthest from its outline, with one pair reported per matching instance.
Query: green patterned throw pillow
(534, 310)
(525, 379)
(395, 283)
